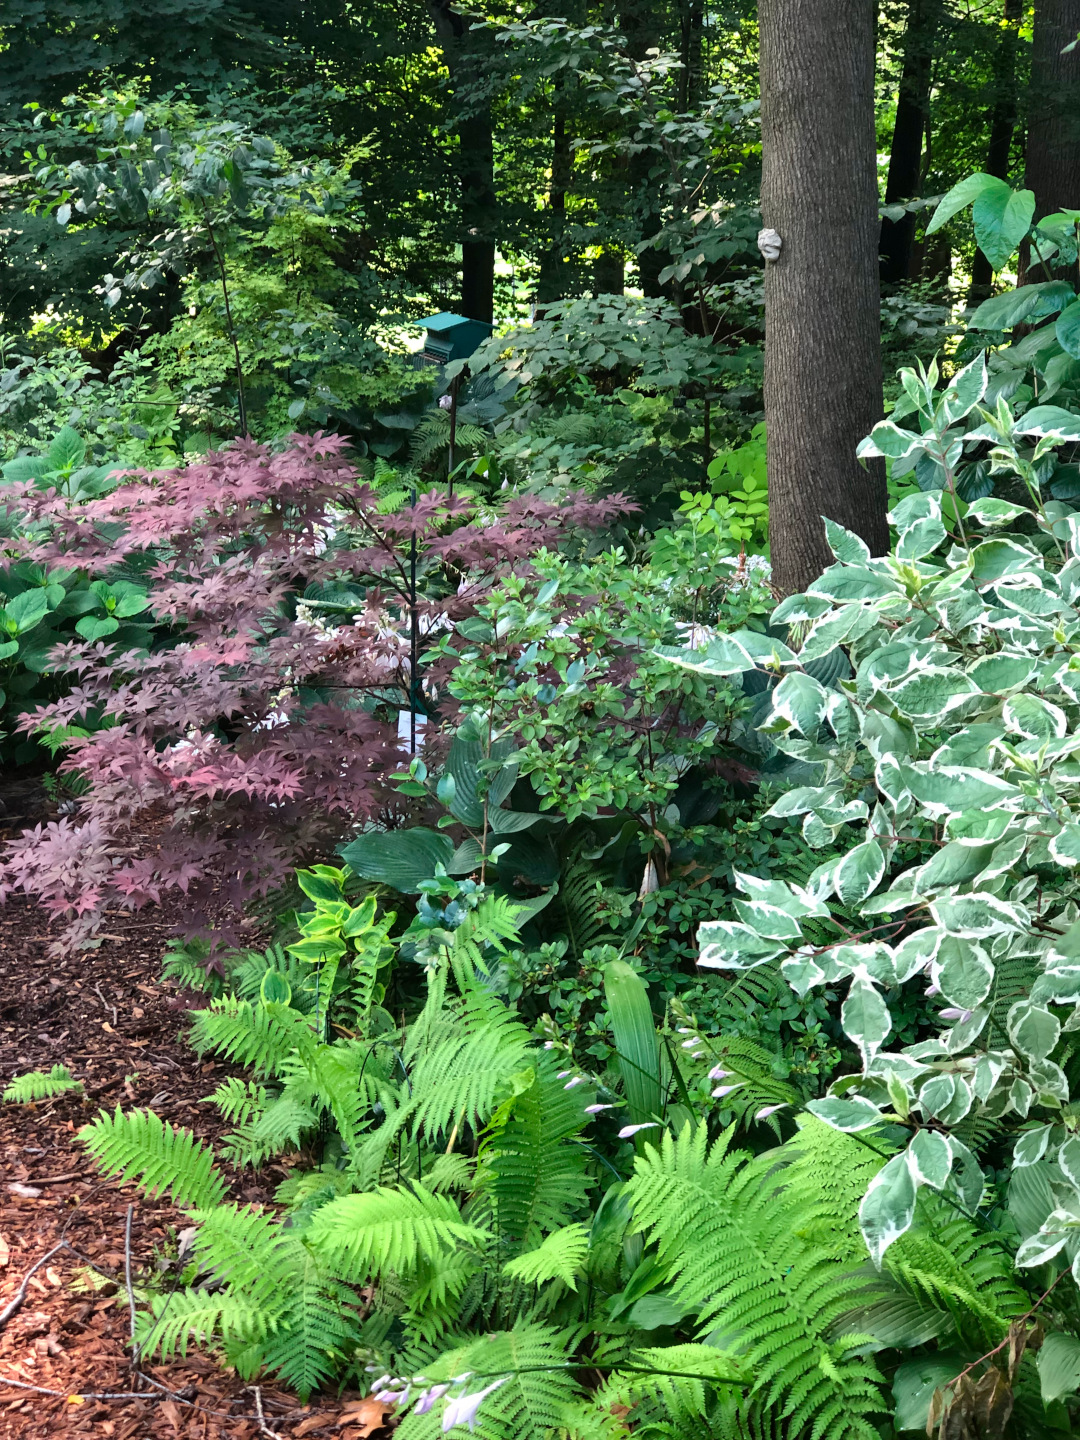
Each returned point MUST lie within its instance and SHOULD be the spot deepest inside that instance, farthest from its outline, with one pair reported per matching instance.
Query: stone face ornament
(770, 244)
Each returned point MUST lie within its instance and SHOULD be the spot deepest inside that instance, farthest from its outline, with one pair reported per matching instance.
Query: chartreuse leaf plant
(946, 770)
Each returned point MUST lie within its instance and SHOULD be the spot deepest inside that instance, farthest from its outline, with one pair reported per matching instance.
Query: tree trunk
(638, 20)
(478, 206)
(822, 323)
(1053, 142)
(691, 53)
(905, 158)
(1002, 126)
(550, 284)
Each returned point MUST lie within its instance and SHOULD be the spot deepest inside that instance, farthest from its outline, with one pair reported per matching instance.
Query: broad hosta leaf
(400, 858)
(1058, 1362)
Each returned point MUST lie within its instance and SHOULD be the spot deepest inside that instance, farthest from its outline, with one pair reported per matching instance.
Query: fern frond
(40, 1085)
(140, 1146)
(533, 1361)
(560, 1257)
(256, 1036)
(196, 1316)
(281, 1126)
(533, 1171)
(239, 1101)
(755, 1244)
(317, 1331)
(385, 1229)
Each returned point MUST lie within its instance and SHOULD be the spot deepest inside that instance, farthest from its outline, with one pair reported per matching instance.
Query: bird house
(451, 337)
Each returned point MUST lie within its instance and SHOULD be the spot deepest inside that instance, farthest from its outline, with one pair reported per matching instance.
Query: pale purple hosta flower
(718, 1073)
(628, 1130)
(690, 1044)
(428, 1397)
(933, 990)
(562, 1074)
(954, 1012)
(595, 1109)
(462, 1411)
(574, 1080)
(768, 1110)
(722, 1090)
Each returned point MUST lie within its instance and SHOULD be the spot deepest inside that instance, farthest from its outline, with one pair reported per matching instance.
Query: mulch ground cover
(109, 1018)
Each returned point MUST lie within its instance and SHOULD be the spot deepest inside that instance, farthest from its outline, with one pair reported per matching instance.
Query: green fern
(531, 1167)
(756, 1245)
(534, 1364)
(560, 1257)
(41, 1085)
(383, 1230)
(140, 1146)
(257, 1036)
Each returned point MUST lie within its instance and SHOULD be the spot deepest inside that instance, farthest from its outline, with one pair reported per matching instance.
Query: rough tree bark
(1053, 139)
(550, 283)
(1002, 126)
(905, 157)
(475, 159)
(822, 324)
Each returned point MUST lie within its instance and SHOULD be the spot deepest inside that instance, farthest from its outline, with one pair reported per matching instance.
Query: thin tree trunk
(905, 157)
(822, 326)
(478, 206)
(1002, 126)
(638, 20)
(553, 260)
(691, 37)
(1052, 162)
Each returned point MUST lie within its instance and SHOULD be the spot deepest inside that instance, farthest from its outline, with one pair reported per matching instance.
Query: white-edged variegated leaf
(730, 945)
(859, 872)
(930, 1159)
(865, 1016)
(887, 1208)
(850, 1114)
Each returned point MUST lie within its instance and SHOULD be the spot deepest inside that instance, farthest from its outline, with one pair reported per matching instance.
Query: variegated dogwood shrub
(947, 768)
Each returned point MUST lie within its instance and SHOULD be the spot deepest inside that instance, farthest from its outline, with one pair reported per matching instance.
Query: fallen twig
(15, 1303)
(264, 1429)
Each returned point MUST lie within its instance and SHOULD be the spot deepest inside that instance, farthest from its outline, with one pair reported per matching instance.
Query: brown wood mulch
(108, 1017)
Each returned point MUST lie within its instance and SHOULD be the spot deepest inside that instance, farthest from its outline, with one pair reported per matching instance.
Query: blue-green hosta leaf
(965, 391)
(865, 1017)
(1058, 1363)
(1033, 1030)
(949, 788)
(887, 1208)
(1034, 718)
(992, 559)
(932, 692)
(729, 945)
(1000, 673)
(859, 872)
(850, 1115)
(920, 539)
(846, 546)
(930, 1159)
(964, 972)
(977, 916)
(399, 858)
(801, 701)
